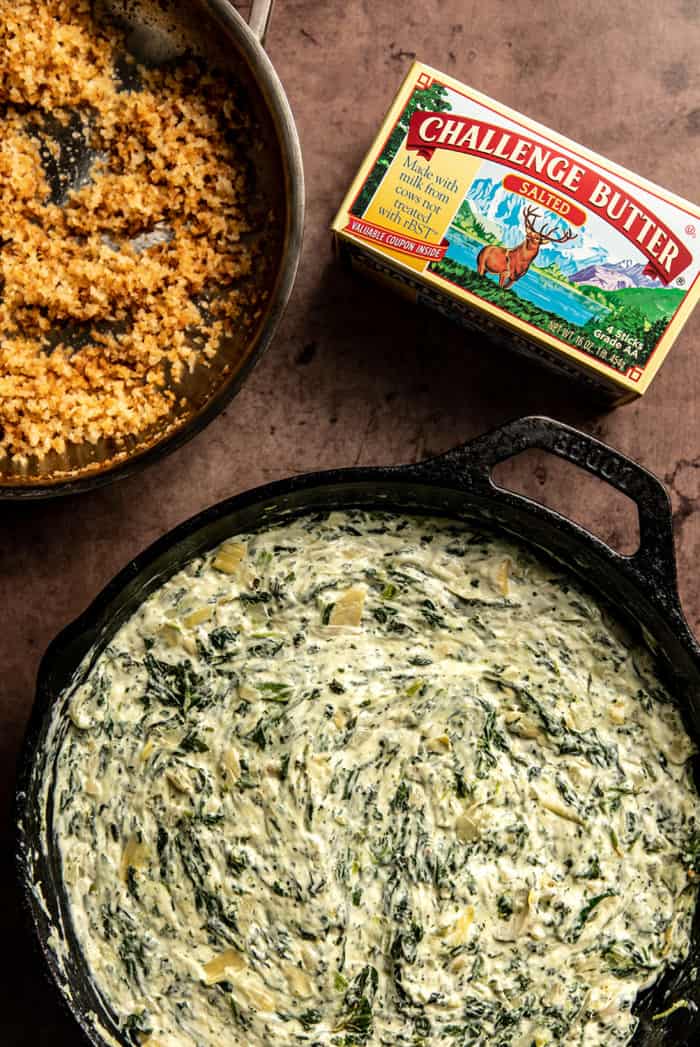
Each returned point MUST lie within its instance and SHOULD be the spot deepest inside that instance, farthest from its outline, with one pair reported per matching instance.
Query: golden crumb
(108, 296)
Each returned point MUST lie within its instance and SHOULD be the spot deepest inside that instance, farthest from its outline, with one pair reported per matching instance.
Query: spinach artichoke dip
(370, 779)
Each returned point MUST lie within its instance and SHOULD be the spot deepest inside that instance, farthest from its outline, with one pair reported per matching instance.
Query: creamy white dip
(364, 779)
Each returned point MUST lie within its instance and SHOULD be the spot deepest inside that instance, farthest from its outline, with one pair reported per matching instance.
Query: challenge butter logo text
(429, 131)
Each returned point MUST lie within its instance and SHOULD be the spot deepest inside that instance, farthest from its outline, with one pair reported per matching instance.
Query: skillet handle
(654, 563)
(259, 17)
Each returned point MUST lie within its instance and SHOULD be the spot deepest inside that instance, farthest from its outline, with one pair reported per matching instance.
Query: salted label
(502, 213)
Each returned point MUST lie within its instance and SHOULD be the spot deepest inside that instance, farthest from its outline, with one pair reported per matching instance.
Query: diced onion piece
(229, 557)
(217, 969)
(348, 608)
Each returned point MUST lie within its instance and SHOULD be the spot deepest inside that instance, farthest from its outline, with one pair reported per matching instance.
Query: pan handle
(654, 563)
(259, 17)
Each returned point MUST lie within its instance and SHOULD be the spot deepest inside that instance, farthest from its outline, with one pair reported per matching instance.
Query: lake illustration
(550, 295)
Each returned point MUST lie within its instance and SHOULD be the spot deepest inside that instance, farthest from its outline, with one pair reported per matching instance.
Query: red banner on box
(667, 255)
(376, 234)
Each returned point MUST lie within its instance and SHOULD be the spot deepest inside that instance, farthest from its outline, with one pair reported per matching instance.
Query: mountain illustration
(498, 209)
(500, 213)
(614, 276)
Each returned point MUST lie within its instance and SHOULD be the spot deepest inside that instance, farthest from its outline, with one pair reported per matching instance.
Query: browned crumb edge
(172, 159)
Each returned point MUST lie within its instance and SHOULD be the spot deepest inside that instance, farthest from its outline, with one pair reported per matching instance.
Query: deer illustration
(510, 263)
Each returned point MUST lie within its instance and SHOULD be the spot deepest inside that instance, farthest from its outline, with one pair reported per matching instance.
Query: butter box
(496, 221)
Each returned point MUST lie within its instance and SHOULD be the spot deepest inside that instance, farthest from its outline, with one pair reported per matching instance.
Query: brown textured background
(354, 375)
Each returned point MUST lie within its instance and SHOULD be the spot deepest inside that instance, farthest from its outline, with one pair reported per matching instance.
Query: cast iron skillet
(642, 588)
(160, 32)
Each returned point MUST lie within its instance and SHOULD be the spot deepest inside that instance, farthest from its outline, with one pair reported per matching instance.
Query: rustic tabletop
(355, 376)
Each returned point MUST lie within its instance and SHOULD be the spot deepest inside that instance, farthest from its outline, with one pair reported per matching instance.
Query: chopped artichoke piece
(231, 764)
(298, 981)
(457, 931)
(257, 998)
(617, 712)
(441, 744)
(523, 726)
(503, 575)
(135, 856)
(348, 609)
(78, 715)
(553, 804)
(219, 967)
(147, 750)
(171, 634)
(467, 828)
(202, 614)
(229, 557)
(179, 780)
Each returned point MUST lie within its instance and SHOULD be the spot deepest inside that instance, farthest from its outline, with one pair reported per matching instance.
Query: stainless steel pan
(160, 31)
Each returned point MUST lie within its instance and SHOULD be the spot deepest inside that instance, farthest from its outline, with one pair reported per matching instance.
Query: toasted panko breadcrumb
(146, 307)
